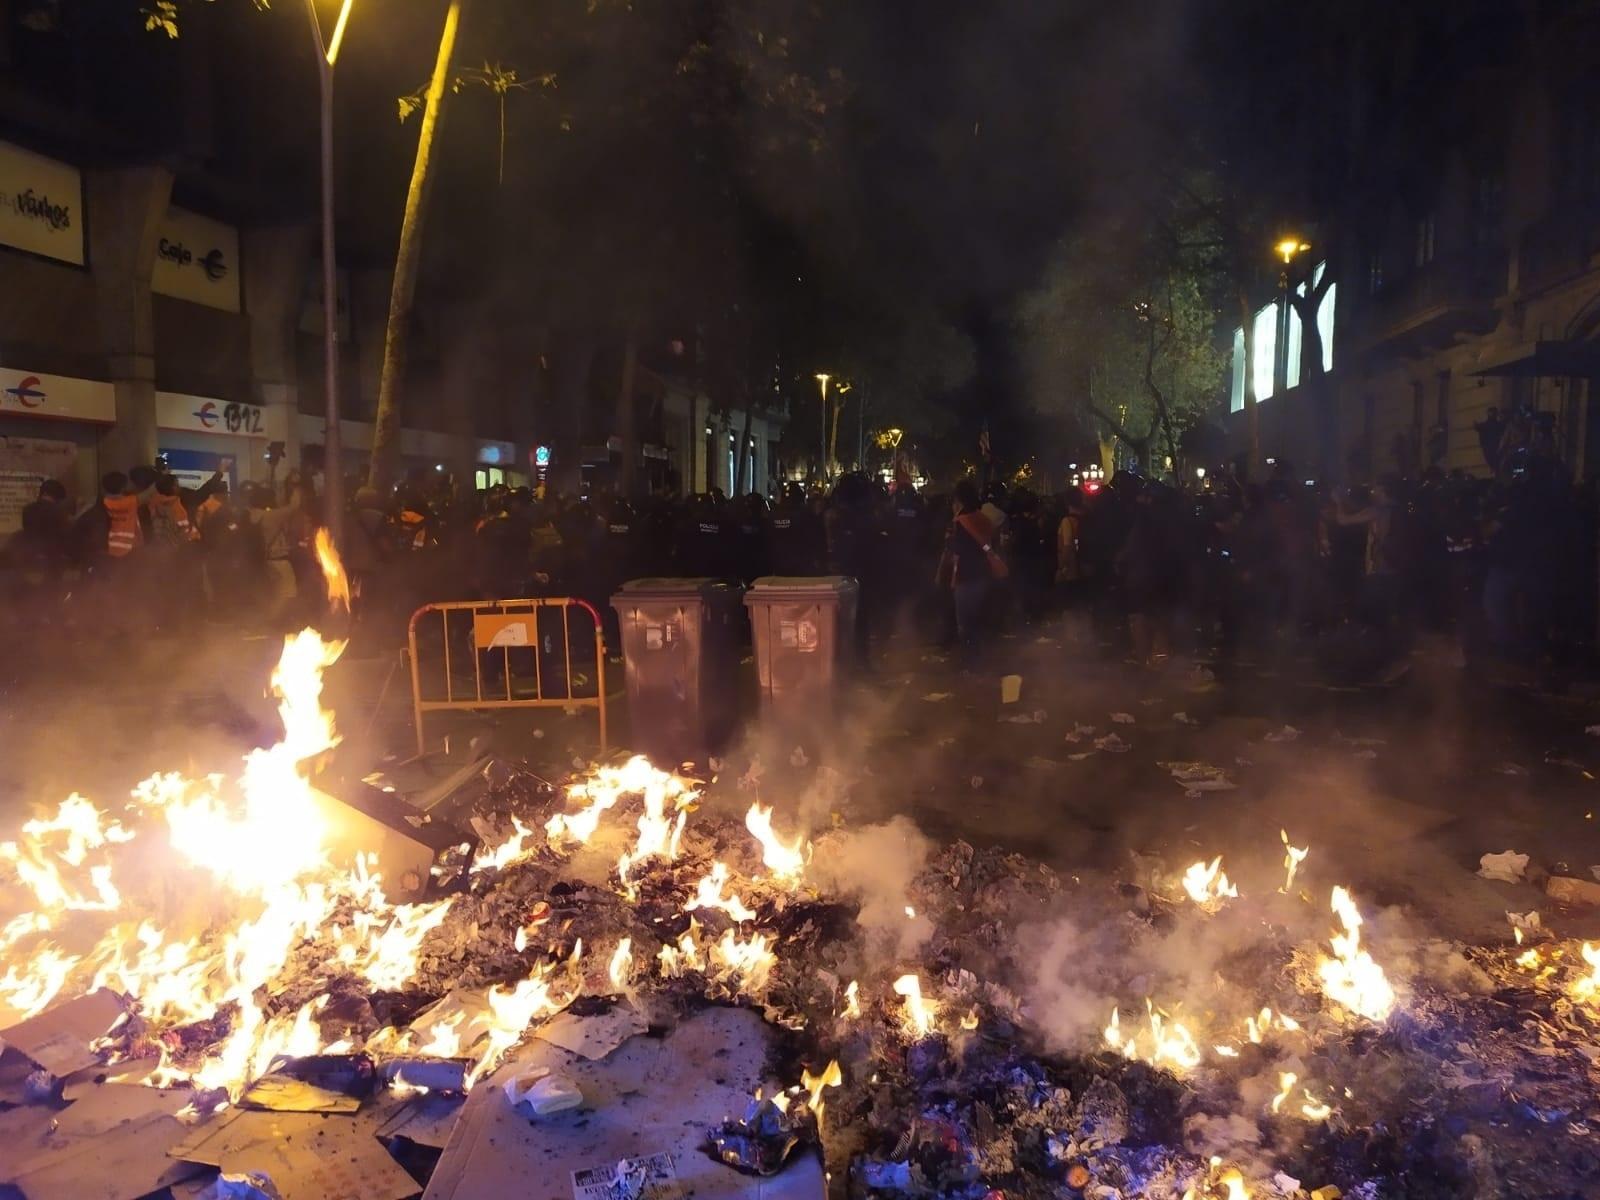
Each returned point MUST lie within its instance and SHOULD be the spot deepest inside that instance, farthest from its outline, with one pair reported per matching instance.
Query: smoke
(877, 864)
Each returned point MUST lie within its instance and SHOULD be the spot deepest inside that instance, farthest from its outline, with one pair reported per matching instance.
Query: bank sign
(31, 394)
(202, 414)
(41, 205)
(197, 259)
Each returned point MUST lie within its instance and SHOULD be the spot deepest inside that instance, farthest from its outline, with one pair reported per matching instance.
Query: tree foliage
(1129, 344)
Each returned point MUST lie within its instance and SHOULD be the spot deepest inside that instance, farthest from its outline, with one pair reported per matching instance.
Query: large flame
(708, 894)
(785, 860)
(1208, 885)
(260, 887)
(919, 1013)
(1588, 987)
(1351, 977)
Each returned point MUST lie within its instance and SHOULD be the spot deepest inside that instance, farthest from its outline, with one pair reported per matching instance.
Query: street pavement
(1398, 789)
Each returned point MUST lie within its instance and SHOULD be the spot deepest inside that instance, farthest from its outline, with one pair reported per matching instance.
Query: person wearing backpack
(968, 567)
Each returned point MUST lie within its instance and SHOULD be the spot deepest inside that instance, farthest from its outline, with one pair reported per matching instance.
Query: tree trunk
(408, 260)
(833, 431)
(741, 483)
(1252, 419)
(627, 432)
(1319, 390)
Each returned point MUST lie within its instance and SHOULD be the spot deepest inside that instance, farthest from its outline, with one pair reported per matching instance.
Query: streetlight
(822, 436)
(1286, 249)
(332, 451)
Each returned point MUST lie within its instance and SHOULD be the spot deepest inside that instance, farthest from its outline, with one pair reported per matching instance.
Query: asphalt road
(1398, 789)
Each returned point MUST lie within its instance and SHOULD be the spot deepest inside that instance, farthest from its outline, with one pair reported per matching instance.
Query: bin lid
(798, 587)
(668, 588)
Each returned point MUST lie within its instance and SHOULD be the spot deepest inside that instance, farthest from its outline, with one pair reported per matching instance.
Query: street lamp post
(822, 435)
(1286, 249)
(332, 457)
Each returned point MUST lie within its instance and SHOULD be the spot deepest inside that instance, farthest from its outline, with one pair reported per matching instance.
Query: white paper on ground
(542, 1094)
(651, 1096)
(1505, 867)
(596, 1036)
(58, 1039)
(649, 1178)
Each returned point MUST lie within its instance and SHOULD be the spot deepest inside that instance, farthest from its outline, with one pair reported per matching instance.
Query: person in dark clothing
(967, 567)
(44, 543)
(1491, 434)
(1150, 564)
(704, 545)
(796, 539)
(504, 546)
(750, 537)
(855, 551)
(235, 559)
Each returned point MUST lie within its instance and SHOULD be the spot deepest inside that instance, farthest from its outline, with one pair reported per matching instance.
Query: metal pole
(333, 461)
(861, 425)
(822, 435)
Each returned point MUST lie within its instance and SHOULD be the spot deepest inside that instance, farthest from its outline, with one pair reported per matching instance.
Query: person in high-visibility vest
(109, 528)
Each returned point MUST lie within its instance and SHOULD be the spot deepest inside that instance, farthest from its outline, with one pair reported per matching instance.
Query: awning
(1529, 359)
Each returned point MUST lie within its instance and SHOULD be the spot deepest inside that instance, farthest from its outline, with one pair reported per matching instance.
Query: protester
(968, 567)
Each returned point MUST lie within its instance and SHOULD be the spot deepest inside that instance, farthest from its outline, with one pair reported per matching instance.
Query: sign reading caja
(197, 259)
(41, 205)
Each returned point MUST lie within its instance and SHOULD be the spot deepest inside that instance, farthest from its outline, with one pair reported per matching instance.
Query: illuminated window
(1236, 391)
(1425, 240)
(1264, 352)
(1325, 324)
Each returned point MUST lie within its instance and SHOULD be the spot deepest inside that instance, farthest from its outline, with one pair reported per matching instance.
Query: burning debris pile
(200, 975)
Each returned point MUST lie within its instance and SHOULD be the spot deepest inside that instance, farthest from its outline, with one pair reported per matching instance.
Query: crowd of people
(1230, 566)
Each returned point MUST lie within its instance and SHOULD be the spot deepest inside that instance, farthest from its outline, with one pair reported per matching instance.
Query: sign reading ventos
(197, 259)
(202, 414)
(25, 393)
(41, 205)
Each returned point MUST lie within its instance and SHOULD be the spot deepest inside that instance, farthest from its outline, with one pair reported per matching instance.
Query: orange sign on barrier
(521, 656)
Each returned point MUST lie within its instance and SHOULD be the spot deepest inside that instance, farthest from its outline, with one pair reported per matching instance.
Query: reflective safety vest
(413, 529)
(123, 533)
(169, 521)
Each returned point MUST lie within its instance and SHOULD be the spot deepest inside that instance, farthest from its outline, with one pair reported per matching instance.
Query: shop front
(49, 429)
(201, 434)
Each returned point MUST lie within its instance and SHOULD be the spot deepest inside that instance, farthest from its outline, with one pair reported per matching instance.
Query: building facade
(161, 275)
(1466, 279)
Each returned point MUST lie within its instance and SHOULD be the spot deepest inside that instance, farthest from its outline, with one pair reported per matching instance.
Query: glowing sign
(541, 456)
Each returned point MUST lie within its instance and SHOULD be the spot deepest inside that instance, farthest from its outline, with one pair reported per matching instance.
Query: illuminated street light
(822, 436)
(1288, 247)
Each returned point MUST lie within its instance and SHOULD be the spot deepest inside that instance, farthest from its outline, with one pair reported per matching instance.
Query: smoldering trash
(629, 983)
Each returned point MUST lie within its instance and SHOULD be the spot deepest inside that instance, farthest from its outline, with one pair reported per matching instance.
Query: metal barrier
(513, 627)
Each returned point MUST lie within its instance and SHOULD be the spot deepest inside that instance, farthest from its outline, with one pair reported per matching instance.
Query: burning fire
(1588, 987)
(1293, 856)
(920, 1013)
(1169, 1041)
(1351, 977)
(621, 965)
(831, 1076)
(261, 884)
(784, 861)
(1208, 885)
(852, 1001)
(709, 895)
